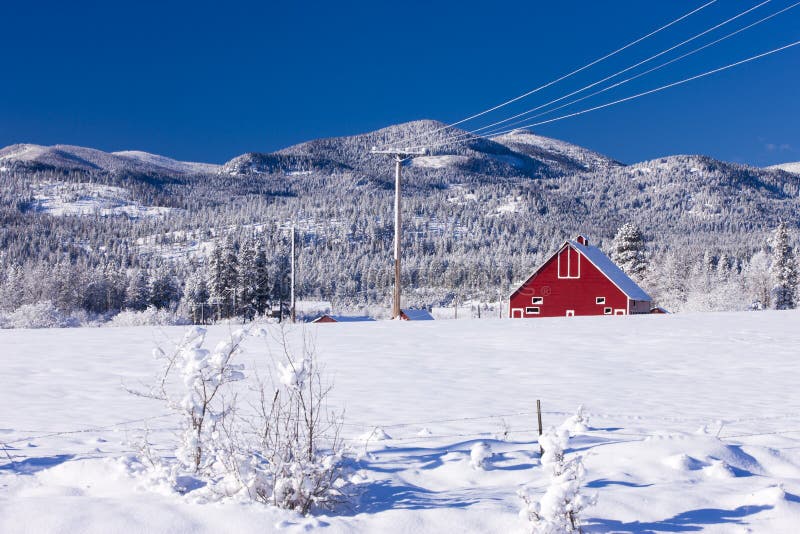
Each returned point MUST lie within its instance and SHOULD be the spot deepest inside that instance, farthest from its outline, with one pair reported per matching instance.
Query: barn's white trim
(568, 251)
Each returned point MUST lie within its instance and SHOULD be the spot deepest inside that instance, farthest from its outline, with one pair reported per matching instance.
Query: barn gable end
(578, 279)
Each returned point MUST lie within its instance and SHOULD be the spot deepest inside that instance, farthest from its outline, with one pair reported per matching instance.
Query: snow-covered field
(694, 424)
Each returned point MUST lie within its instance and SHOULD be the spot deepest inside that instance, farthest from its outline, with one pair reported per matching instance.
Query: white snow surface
(692, 424)
(788, 167)
(68, 156)
(84, 198)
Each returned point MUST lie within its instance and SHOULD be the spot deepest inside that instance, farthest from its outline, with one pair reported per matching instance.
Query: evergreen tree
(195, 298)
(223, 279)
(137, 294)
(784, 270)
(628, 251)
(164, 289)
(261, 296)
(247, 279)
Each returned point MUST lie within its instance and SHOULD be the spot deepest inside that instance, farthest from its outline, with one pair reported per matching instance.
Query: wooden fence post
(539, 416)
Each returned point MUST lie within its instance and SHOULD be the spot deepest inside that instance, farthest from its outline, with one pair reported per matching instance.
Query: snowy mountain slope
(690, 192)
(556, 153)
(89, 199)
(88, 159)
(483, 159)
(788, 167)
(165, 164)
(693, 425)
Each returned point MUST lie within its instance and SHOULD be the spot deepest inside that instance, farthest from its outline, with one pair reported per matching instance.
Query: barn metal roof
(348, 318)
(418, 315)
(610, 269)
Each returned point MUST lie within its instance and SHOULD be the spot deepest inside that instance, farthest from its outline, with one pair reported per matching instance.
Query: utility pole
(399, 156)
(292, 282)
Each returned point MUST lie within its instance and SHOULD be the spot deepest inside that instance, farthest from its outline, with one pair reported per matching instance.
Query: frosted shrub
(479, 455)
(40, 315)
(150, 316)
(559, 509)
(298, 439)
(204, 374)
(284, 451)
(577, 423)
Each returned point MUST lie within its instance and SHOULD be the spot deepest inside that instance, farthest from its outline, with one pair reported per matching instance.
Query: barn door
(516, 313)
(619, 311)
(569, 263)
(570, 313)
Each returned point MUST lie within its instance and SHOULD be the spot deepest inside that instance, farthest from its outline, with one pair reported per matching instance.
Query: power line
(617, 84)
(638, 95)
(565, 76)
(640, 63)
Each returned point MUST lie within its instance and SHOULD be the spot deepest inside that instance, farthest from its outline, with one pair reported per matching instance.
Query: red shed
(578, 279)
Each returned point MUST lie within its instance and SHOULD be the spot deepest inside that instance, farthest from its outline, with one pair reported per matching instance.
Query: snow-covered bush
(479, 455)
(559, 509)
(577, 423)
(43, 314)
(285, 450)
(299, 438)
(202, 405)
(148, 317)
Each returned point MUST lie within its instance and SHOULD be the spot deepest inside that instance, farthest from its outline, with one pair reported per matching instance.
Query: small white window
(600, 300)
(607, 311)
(532, 310)
(537, 300)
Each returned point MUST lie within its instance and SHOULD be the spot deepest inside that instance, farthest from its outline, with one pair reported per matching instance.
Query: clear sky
(207, 81)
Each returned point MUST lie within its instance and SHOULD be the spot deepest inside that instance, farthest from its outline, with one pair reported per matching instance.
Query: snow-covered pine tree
(558, 511)
(222, 282)
(784, 270)
(246, 280)
(758, 280)
(137, 294)
(628, 251)
(261, 296)
(164, 290)
(195, 298)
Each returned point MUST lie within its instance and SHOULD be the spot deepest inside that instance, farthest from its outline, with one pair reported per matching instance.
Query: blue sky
(207, 81)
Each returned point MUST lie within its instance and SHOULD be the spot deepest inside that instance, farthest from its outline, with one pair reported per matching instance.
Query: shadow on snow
(30, 466)
(691, 521)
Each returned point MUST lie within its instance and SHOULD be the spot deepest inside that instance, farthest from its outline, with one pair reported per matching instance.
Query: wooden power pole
(292, 305)
(399, 156)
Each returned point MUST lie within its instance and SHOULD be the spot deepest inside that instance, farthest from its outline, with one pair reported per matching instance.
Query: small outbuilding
(415, 315)
(578, 279)
(327, 318)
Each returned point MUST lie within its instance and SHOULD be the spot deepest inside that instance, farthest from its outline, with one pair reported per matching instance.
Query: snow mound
(479, 455)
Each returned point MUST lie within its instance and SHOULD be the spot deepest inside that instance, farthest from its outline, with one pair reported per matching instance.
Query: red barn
(578, 279)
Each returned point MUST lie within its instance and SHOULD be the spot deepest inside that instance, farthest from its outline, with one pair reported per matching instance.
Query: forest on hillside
(473, 228)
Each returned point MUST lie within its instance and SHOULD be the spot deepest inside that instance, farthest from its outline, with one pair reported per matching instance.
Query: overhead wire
(658, 67)
(632, 97)
(566, 76)
(618, 73)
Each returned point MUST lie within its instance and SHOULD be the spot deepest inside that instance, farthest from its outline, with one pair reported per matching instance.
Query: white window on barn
(532, 310)
(537, 300)
(600, 300)
(607, 311)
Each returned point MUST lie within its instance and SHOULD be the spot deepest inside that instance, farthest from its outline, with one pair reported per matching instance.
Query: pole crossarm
(399, 153)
